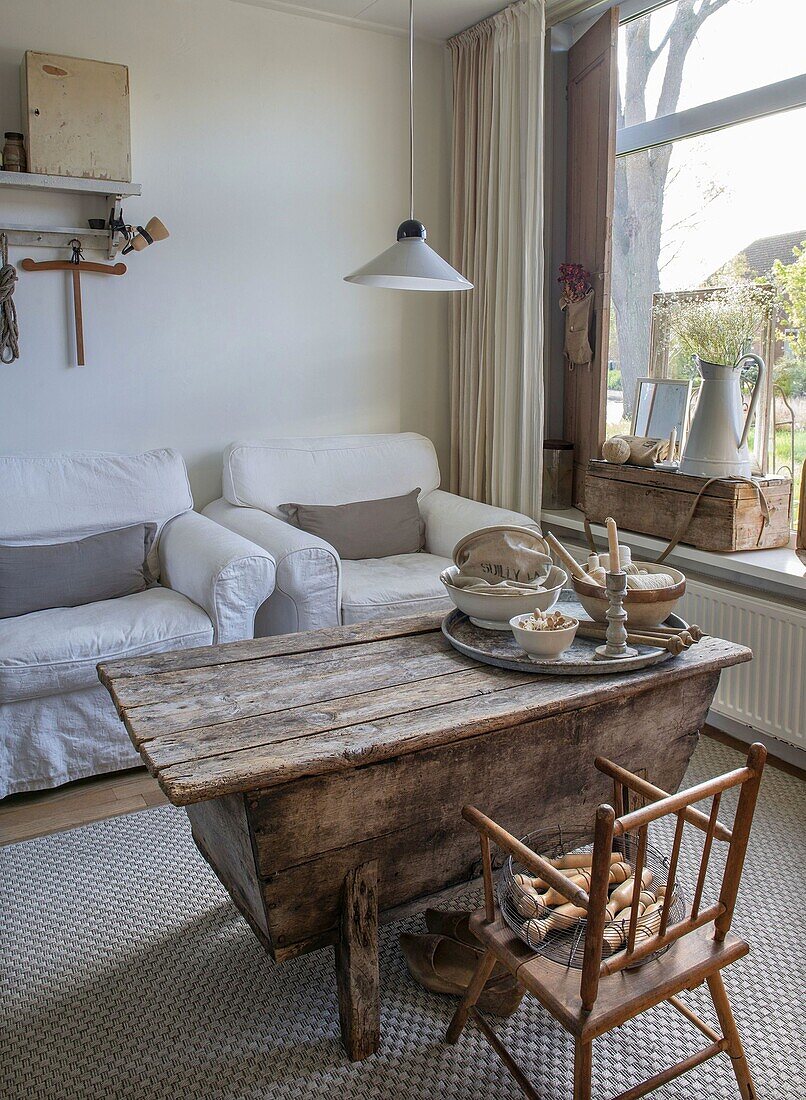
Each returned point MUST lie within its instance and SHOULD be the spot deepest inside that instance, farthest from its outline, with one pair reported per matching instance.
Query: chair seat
(621, 996)
(54, 651)
(404, 584)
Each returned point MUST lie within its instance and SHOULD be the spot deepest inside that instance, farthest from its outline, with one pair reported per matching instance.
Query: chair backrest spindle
(643, 837)
(706, 855)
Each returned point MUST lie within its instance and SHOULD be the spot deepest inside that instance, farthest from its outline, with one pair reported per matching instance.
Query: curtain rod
(556, 12)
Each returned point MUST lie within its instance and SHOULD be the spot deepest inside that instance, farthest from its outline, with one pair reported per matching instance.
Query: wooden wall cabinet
(75, 116)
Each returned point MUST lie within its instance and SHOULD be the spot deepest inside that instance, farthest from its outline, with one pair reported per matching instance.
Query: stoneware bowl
(645, 608)
(492, 611)
(543, 643)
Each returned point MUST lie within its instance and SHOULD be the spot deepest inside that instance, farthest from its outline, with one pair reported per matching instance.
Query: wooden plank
(283, 676)
(305, 721)
(328, 687)
(221, 831)
(406, 812)
(258, 649)
(358, 745)
(680, 483)
(357, 976)
(722, 522)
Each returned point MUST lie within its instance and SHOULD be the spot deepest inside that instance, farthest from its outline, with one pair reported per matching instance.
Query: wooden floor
(24, 816)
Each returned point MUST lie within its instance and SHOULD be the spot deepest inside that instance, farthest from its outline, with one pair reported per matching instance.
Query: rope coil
(9, 328)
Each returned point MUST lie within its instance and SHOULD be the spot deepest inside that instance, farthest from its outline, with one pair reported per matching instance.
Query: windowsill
(775, 572)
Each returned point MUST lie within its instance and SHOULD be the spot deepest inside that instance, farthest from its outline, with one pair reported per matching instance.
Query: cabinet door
(76, 117)
(592, 88)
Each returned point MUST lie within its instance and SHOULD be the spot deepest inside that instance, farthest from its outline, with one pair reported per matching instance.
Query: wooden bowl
(645, 607)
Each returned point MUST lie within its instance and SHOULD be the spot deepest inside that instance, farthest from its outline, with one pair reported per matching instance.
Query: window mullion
(782, 96)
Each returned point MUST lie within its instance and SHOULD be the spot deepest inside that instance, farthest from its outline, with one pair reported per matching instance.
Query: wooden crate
(75, 114)
(655, 502)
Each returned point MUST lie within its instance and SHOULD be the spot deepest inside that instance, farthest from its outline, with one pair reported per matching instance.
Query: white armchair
(57, 723)
(314, 588)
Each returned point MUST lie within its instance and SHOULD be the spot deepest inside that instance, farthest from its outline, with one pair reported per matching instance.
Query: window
(709, 189)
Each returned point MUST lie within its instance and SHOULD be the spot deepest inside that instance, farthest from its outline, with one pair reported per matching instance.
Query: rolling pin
(581, 863)
(673, 642)
(696, 633)
(580, 859)
(567, 559)
(622, 895)
(619, 872)
(616, 934)
(537, 930)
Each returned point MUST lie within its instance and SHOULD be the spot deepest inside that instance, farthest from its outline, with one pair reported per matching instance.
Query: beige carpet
(127, 973)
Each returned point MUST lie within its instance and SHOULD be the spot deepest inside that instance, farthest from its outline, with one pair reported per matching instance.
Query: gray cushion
(366, 528)
(69, 574)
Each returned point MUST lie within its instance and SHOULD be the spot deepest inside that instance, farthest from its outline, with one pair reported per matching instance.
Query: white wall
(275, 148)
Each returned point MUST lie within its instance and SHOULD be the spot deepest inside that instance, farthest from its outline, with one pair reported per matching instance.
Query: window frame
(720, 114)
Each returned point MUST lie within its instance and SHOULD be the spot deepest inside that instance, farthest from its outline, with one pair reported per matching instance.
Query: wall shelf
(102, 240)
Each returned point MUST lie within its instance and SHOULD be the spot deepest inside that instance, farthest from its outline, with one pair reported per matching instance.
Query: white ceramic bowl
(543, 643)
(493, 611)
(645, 607)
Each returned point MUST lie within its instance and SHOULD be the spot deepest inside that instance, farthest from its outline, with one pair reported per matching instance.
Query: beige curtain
(496, 336)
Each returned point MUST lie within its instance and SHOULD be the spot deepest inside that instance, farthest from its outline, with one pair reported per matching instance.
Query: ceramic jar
(14, 159)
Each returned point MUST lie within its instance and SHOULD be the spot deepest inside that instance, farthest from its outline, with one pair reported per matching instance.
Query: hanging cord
(411, 109)
(9, 329)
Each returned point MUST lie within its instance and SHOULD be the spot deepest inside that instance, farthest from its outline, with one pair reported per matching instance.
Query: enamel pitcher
(717, 441)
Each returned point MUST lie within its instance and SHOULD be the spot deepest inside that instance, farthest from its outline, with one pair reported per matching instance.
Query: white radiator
(769, 693)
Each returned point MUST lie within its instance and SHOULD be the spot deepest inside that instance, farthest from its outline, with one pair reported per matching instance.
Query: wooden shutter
(592, 76)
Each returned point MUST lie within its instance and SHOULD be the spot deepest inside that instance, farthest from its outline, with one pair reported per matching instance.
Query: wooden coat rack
(75, 265)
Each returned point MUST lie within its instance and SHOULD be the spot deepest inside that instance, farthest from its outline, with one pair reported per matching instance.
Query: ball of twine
(616, 450)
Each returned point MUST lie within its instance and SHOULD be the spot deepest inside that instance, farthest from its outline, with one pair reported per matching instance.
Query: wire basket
(561, 937)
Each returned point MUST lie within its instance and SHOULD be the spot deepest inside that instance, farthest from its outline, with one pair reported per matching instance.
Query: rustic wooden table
(324, 773)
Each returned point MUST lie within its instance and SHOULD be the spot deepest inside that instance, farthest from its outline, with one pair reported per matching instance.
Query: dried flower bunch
(575, 281)
(720, 325)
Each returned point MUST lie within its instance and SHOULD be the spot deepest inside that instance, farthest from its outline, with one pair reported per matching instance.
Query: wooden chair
(605, 996)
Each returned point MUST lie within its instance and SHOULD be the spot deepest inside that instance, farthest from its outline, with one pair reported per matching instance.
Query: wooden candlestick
(616, 643)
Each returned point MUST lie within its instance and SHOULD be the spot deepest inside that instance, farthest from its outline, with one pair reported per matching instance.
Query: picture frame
(660, 405)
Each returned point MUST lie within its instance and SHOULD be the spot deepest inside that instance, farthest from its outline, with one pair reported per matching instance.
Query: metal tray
(501, 650)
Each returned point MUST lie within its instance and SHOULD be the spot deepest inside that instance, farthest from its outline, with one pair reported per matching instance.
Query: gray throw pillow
(365, 529)
(68, 574)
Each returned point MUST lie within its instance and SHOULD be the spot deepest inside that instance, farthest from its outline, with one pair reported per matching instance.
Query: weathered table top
(252, 715)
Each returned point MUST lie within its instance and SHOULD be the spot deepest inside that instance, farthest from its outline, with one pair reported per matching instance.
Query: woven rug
(127, 973)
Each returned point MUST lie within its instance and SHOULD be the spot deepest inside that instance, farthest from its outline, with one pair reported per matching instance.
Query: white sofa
(313, 587)
(57, 723)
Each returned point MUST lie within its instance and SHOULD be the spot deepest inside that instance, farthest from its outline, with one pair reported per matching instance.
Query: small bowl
(492, 610)
(543, 643)
(645, 607)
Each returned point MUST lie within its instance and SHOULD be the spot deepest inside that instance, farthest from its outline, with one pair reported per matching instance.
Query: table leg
(357, 963)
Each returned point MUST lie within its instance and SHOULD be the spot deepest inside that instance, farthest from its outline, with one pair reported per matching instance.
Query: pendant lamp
(410, 264)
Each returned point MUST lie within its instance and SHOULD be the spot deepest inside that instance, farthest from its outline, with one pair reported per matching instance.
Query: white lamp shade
(410, 264)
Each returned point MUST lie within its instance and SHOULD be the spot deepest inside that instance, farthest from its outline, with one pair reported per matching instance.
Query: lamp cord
(9, 327)
(411, 109)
